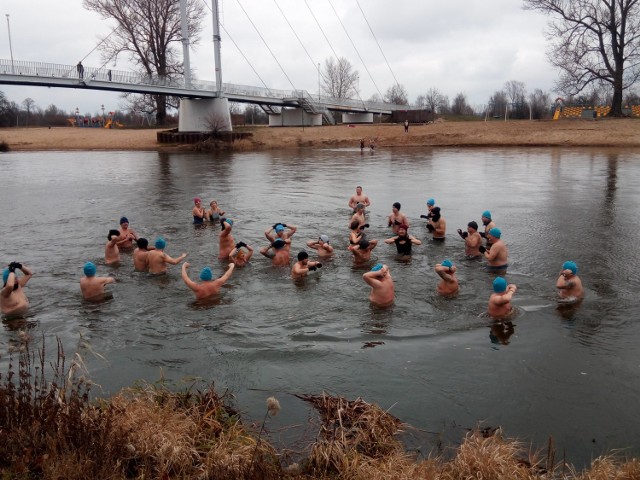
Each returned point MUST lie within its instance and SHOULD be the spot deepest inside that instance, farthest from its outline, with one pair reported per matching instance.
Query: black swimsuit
(403, 245)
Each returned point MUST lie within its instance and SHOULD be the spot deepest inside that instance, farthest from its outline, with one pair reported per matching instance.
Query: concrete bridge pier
(357, 117)
(204, 115)
(295, 117)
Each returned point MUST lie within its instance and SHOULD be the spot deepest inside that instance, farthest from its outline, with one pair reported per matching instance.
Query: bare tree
(515, 91)
(433, 99)
(28, 104)
(149, 35)
(396, 95)
(498, 103)
(594, 42)
(460, 105)
(339, 80)
(540, 103)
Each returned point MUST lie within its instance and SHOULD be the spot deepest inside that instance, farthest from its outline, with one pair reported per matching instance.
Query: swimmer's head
(229, 221)
(160, 243)
(302, 256)
(324, 238)
(89, 269)
(113, 233)
(435, 213)
(279, 228)
(397, 205)
(206, 274)
(569, 265)
(473, 225)
(359, 188)
(363, 244)
(278, 243)
(143, 243)
(499, 285)
(355, 224)
(377, 267)
(486, 214)
(359, 206)
(124, 220)
(197, 200)
(495, 232)
(431, 202)
(447, 263)
(212, 203)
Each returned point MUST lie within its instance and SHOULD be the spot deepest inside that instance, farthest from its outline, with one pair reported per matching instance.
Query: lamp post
(102, 107)
(318, 83)
(10, 47)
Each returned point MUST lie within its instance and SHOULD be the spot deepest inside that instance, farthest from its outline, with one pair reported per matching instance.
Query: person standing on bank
(406, 126)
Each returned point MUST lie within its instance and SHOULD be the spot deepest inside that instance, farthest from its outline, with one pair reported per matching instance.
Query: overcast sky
(468, 46)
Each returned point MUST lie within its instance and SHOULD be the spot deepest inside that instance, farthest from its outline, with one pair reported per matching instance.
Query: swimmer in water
(359, 197)
(321, 246)
(241, 254)
(397, 218)
(214, 213)
(140, 255)
(158, 260)
(472, 240)
(447, 272)
(111, 249)
(303, 266)
(13, 300)
(359, 215)
(500, 301)
(198, 212)
(357, 232)
(496, 251)
(280, 230)
(226, 242)
(382, 288)
(403, 241)
(430, 204)
(487, 222)
(569, 285)
(437, 225)
(362, 250)
(209, 287)
(278, 252)
(92, 287)
(127, 235)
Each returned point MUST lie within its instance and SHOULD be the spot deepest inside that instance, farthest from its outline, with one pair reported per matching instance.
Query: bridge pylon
(204, 115)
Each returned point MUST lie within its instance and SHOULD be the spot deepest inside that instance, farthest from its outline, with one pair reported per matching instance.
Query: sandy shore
(610, 132)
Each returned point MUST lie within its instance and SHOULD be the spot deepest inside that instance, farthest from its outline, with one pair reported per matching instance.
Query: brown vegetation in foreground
(565, 133)
(50, 429)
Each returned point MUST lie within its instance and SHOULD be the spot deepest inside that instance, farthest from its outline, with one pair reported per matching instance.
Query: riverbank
(566, 133)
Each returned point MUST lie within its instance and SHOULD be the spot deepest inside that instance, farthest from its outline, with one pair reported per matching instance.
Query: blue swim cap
(278, 243)
(124, 220)
(5, 275)
(495, 232)
(206, 274)
(487, 214)
(447, 263)
(431, 202)
(377, 267)
(160, 243)
(569, 265)
(229, 221)
(89, 269)
(499, 285)
(279, 228)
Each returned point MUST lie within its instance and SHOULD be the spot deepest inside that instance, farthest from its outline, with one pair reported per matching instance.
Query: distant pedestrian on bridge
(80, 69)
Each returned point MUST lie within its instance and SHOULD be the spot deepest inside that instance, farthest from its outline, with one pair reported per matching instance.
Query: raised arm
(372, 278)
(185, 277)
(390, 240)
(174, 261)
(226, 275)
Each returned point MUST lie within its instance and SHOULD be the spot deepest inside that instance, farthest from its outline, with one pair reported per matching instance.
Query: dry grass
(50, 429)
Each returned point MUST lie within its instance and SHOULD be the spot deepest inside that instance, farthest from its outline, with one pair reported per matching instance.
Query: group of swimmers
(153, 259)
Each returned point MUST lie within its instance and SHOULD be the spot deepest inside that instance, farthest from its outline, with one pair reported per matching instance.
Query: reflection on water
(428, 356)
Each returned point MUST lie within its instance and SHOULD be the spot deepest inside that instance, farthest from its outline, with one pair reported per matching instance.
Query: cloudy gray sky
(468, 46)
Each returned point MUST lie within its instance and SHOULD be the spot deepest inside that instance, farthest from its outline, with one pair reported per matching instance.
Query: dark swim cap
(364, 243)
(435, 213)
(142, 243)
(397, 205)
(302, 255)
(473, 225)
(113, 233)
(124, 220)
(278, 243)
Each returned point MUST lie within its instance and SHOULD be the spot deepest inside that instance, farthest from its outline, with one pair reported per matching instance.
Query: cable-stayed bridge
(271, 100)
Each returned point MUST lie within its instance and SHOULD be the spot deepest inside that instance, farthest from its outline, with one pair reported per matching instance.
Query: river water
(437, 364)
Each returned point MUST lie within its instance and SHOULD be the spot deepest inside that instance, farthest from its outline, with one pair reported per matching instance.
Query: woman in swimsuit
(198, 212)
(214, 213)
(403, 241)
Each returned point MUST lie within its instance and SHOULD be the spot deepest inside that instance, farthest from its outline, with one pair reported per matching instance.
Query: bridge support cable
(313, 62)
(377, 43)
(266, 45)
(356, 49)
